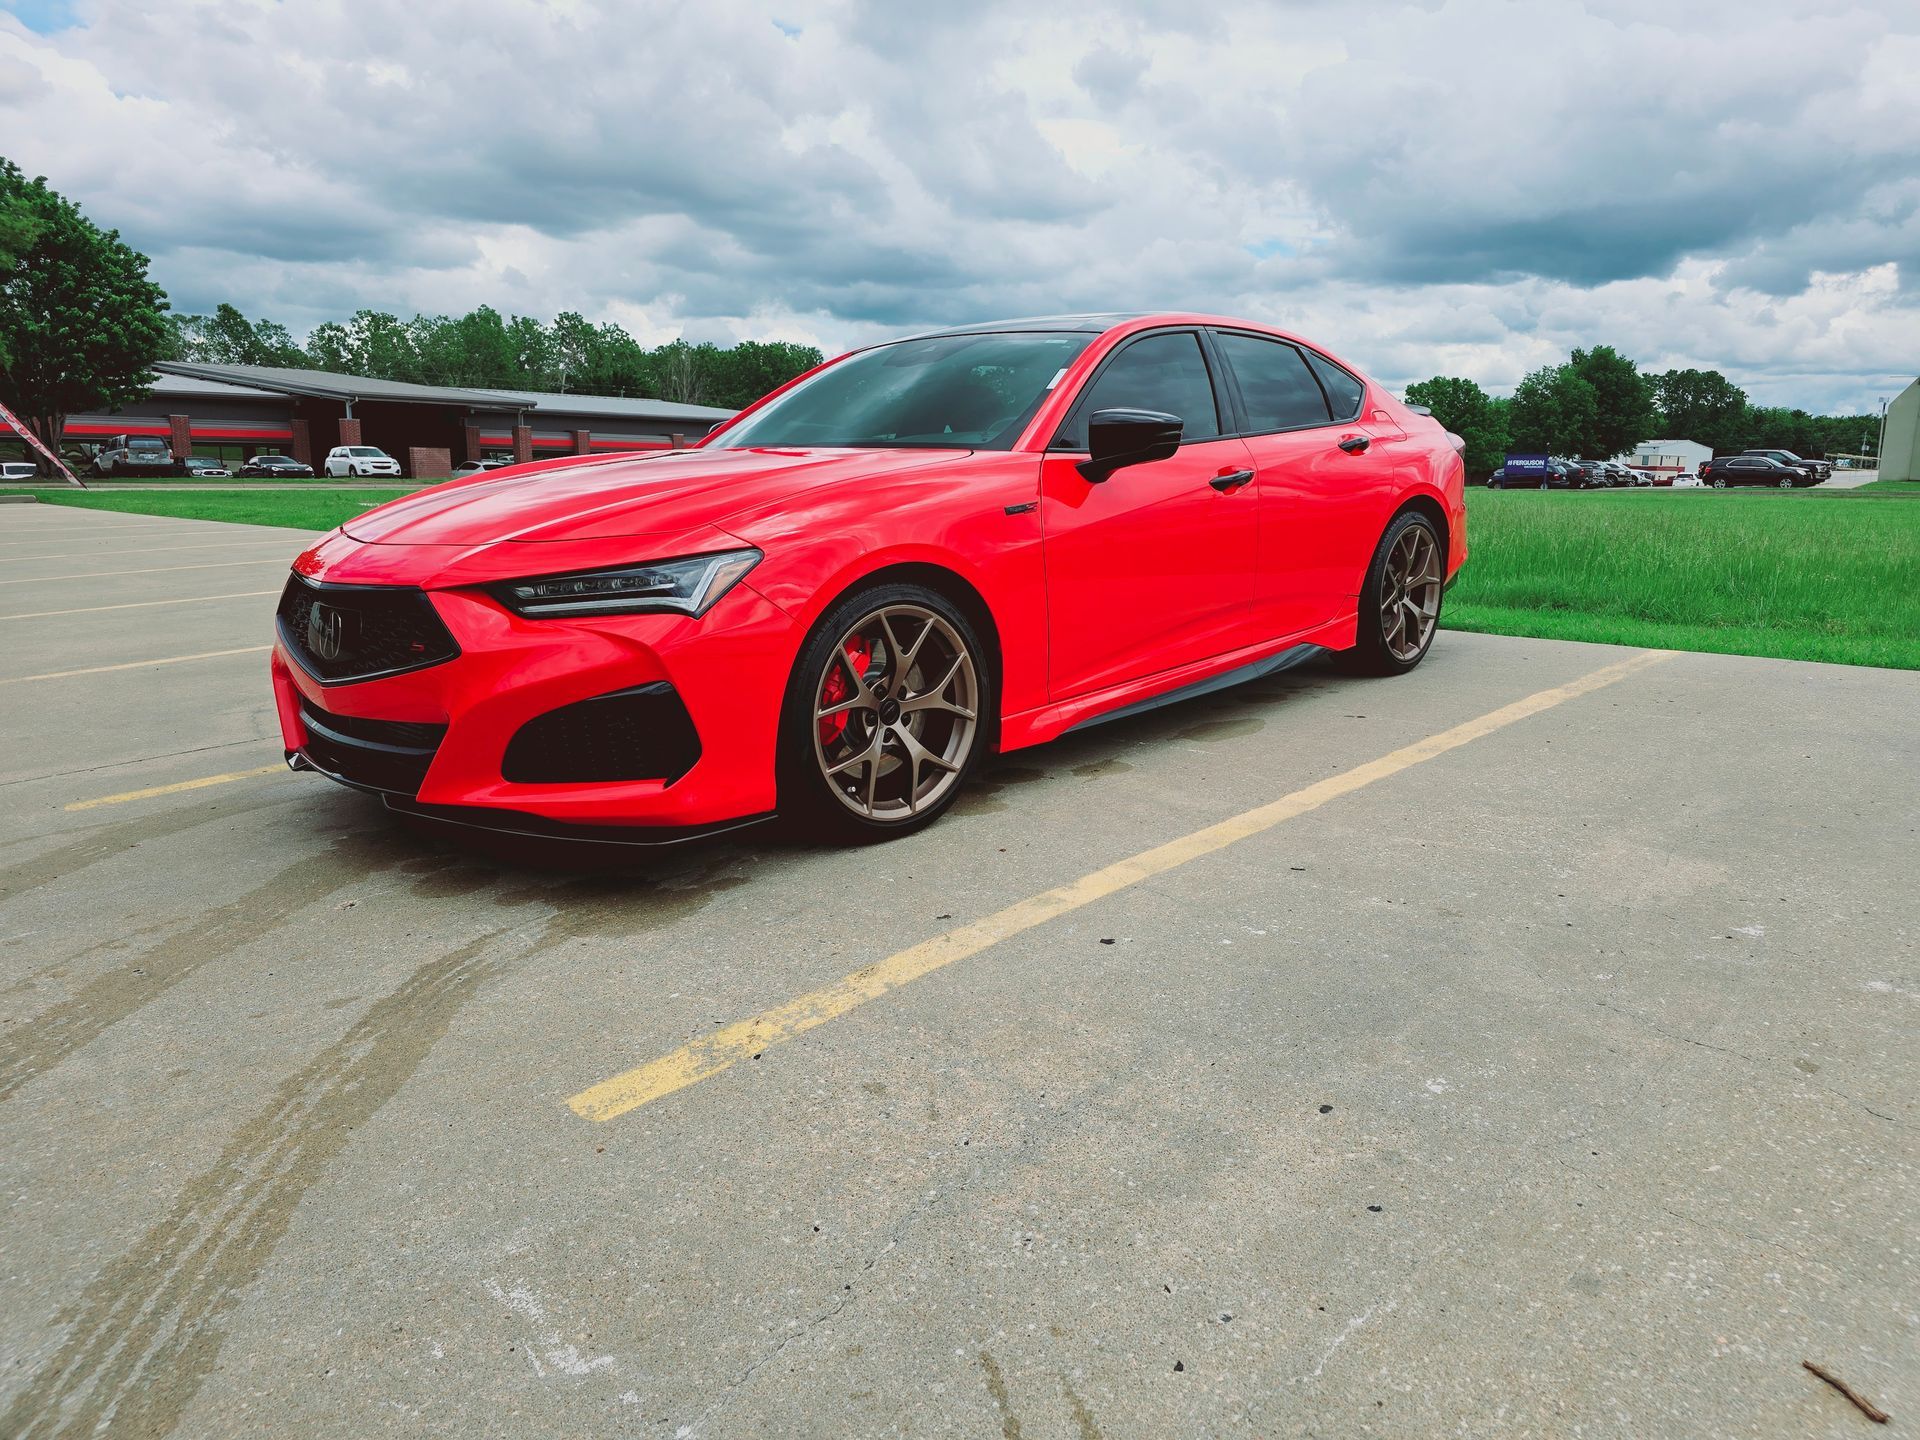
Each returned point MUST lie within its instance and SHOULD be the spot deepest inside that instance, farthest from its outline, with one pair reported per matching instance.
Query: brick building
(233, 412)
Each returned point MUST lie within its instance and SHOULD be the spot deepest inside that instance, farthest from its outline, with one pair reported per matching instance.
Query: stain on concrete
(982, 795)
(102, 842)
(1224, 729)
(1082, 1417)
(107, 999)
(1094, 769)
(997, 1388)
(148, 1330)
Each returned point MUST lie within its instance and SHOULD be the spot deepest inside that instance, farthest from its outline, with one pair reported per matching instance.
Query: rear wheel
(1786, 482)
(886, 715)
(1400, 601)
(1719, 482)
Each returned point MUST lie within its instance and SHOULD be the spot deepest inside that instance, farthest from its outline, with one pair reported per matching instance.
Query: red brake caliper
(839, 688)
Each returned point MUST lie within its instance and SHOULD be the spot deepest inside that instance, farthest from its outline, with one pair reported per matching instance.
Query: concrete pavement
(1559, 1081)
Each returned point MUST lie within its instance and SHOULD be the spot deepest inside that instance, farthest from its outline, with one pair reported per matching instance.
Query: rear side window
(1276, 386)
(1344, 391)
(1161, 372)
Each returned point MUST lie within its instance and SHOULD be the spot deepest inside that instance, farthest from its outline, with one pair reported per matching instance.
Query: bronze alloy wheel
(895, 713)
(1410, 593)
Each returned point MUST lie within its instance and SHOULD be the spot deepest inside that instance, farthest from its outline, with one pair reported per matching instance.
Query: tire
(1719, 482)
(851, 775)
(1384, 647)
(1787, 482)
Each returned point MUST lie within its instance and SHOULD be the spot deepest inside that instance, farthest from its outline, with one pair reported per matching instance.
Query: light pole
(1880, 445)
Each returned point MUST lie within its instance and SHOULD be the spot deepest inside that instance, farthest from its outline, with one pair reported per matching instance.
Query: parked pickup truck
(1818, 469)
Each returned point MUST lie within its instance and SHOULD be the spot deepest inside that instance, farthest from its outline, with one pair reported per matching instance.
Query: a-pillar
(300, 442)
(475, 451)
(583, 442)
(180, 436)
(522, 444)
(349, 431)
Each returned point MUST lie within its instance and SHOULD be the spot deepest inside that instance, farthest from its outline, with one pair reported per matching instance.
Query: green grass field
(1799, 575)
(296, 509)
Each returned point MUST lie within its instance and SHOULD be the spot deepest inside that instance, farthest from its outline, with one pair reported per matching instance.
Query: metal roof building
(233, 412)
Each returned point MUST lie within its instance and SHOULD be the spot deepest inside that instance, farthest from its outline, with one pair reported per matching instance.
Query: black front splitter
(532, 827)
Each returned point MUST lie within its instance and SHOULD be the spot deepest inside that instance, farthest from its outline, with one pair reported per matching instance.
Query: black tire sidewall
(807, 805)
(1370, 655)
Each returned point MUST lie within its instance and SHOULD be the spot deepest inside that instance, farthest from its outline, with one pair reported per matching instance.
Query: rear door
(1154, 566)
(1325, 474)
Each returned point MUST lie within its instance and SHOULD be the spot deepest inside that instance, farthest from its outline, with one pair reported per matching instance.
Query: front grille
(361, 632)
(388, 755)
(639, 734)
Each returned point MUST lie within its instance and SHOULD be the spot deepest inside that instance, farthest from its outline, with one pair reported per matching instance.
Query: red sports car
(841, 601)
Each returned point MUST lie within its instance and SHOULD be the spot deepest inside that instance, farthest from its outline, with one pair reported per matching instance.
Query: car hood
(619, 496)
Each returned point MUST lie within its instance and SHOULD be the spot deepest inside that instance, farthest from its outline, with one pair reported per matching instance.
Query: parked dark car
(276, 467)
(201, 468)
(1585, 474)
(1818, 469)
(1725, 470)
(135, 455)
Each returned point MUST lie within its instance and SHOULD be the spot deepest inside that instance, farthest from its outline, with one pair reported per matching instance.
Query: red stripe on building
(86, 431)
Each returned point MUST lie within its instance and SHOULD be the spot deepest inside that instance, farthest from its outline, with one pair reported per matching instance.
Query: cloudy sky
(1450, 187)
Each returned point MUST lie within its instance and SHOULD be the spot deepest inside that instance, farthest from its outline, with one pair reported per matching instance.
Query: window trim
(1225, 405)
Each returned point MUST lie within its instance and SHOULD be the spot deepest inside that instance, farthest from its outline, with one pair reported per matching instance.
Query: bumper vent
(386, 755)
(639, 734)
(341, 633)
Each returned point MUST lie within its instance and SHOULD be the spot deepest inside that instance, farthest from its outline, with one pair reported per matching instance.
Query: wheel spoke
(918, 755)
(859, 700)
(906, 662)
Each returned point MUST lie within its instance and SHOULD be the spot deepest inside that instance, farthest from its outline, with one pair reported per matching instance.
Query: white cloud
(1454, 186)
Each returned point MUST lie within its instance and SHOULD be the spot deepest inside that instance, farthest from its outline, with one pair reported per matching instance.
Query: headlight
(679, 587)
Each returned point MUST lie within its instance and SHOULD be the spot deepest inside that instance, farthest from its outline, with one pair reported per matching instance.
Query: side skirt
(1285, 660)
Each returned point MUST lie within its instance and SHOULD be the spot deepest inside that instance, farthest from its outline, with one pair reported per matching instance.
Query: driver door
(1154, 566)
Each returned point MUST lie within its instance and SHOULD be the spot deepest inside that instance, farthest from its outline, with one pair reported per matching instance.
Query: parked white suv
(360, 460)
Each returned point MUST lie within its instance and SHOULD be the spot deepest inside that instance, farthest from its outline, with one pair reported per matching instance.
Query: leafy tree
(227, 337)
(1624, 414)
(80, 322)
(1467, 410)
(1700, 405)
(1554, 411)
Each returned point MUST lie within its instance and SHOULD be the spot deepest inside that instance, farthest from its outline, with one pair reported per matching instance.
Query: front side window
(1276, 386)
(1166, 373)
(968, 392)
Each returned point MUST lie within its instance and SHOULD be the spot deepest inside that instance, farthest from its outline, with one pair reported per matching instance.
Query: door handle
(1354, 444)
(1232, 481)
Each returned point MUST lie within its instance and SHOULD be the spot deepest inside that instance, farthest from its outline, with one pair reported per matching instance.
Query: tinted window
(1162, 372)
(946, 391)
(1344, 391)
(1275, 384)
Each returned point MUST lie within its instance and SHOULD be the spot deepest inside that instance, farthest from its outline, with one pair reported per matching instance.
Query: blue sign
(1526, 465)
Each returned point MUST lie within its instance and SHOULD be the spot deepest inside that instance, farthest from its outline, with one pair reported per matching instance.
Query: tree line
(1598, 405)
(487, 350)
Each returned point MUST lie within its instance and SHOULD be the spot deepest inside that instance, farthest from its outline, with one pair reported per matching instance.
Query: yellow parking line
(155, 570)
(177, 787)
(714, 1053)
(137, 605)
(135, 664)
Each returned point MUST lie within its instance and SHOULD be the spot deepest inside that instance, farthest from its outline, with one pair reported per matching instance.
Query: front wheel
(1719, 482)
(886, 715)
(1400, 601)
(1786, 482)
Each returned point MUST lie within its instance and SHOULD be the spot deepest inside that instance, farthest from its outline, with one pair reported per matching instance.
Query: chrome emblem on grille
(326, 632)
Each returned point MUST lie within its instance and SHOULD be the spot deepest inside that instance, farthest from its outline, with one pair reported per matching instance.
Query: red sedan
(846, 597)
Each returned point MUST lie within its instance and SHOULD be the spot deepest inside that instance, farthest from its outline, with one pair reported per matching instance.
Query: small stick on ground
(1865, 1406)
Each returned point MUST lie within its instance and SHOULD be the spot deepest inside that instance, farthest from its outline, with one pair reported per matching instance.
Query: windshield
(972, 392)
(367, 451)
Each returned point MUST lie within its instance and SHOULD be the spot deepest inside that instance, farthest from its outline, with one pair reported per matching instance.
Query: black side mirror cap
(1119, 438)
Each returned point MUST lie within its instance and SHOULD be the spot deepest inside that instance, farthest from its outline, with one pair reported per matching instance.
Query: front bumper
(729, 670)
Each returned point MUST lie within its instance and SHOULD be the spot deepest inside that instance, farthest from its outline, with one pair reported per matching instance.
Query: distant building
(1900, 447)
(231, 413)
(1667, 459)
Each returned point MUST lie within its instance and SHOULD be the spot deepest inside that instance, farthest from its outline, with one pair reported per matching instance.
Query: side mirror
(1119, 438)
